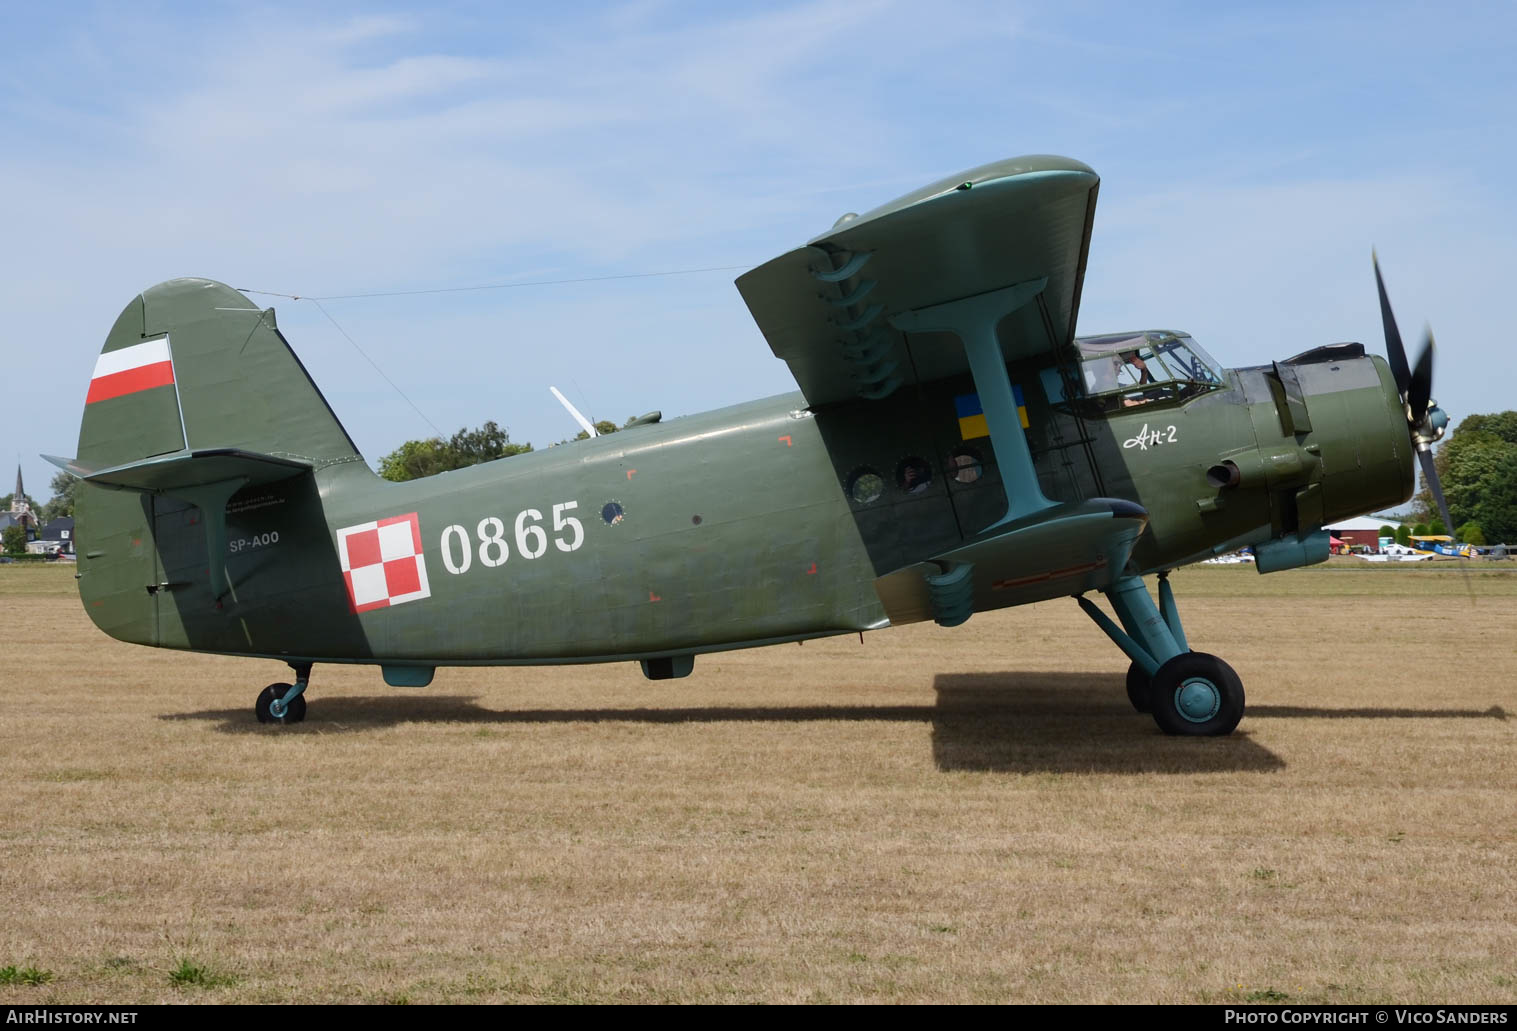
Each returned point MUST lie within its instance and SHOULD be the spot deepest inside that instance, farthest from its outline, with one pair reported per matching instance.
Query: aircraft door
(1059, 443)
(179, 556)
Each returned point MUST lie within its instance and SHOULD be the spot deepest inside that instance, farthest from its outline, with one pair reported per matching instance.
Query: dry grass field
(970, 815)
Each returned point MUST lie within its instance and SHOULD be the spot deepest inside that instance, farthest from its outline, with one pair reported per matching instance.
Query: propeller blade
(1420, 391)
(1416, 388)
(1394, 352)
(1430, 477)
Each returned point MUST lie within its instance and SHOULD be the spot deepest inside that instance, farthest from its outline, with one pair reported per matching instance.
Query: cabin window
(865, 485)
(964, 465)
(612, 513)
(913, 475)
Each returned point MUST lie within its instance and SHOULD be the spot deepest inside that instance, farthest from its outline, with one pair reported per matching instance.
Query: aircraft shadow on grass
(1495, 712)
(1069, 723)
(994, 722)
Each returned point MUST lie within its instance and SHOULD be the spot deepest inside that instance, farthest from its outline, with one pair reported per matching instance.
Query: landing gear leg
(285, 703)
(1188, 693)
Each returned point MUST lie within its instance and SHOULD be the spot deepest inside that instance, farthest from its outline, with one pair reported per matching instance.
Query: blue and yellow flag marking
(972, 414)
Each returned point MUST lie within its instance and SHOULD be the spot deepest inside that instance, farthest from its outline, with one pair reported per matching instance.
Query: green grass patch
(189, 974)
(24, 975)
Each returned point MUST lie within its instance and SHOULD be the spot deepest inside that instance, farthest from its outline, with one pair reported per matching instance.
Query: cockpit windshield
(1129, 369)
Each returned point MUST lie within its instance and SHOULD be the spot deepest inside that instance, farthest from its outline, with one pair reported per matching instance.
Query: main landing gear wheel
(294, 713)
(1139, 688)
(1196, 695)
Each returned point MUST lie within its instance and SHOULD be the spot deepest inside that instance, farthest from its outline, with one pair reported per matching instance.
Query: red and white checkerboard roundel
(382, 562)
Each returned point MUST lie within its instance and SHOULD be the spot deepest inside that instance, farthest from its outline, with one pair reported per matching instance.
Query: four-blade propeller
(1423, 416)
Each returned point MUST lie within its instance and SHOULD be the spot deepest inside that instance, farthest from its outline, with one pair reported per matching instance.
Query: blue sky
(1250, 157)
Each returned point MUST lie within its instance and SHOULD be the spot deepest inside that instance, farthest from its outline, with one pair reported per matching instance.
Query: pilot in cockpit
(1138, 365)
(1120, 370)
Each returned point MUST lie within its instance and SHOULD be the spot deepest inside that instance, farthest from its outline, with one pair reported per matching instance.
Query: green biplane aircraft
(953, 448)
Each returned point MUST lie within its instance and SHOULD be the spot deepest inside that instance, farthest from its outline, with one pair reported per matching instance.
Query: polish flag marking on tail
(382, 562)
(131, 369)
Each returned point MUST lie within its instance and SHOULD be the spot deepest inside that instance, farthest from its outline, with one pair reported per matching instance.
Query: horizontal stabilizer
(206, 479)
(1054, 553)
(168, 474)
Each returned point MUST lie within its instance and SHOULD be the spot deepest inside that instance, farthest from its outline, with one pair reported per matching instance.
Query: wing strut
(974, 320)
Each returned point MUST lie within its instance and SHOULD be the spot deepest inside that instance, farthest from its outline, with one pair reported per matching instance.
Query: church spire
(19, 507)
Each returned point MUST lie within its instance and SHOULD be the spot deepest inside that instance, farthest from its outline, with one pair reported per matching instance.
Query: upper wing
(826, 308)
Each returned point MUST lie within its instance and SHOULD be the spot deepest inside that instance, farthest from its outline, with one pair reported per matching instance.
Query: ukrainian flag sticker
(972, 414)
(971, 417)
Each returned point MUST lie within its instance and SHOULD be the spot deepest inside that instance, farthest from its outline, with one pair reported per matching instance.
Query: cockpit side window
(1125, 370)
(1184, 361)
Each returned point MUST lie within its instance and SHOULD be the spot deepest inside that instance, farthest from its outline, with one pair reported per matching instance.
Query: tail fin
(195, 396)
(192, 365)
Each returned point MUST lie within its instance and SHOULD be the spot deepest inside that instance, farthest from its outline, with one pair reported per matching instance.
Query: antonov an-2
(953, 448)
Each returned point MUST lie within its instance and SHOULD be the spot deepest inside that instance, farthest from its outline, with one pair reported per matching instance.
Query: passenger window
(865, 485)
(913, 475)
(964, 465)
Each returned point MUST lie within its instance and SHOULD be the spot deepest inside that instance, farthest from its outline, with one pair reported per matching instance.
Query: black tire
(1197, 695)
(1139, 689)
(294, 714)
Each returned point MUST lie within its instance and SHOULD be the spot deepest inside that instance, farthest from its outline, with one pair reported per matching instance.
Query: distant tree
(1420, 530)
(418, 458)
(486, 444)
(1502, 424)
(1403, 536)
(602, 427)
(1388, 531)
(1436, 528)
(13, 540)
(62, 502)
(1471, 533)
(413, 460)
(1477, 465)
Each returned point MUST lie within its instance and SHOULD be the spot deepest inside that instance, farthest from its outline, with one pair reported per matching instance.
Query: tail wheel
(294, 713)
(1139, 688)
(1197, 695)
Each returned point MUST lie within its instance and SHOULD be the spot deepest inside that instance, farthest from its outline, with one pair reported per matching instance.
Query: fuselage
(758, 523)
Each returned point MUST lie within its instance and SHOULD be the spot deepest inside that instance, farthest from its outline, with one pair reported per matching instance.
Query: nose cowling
(1331, 441)
(1337, 433)
(1359, 428)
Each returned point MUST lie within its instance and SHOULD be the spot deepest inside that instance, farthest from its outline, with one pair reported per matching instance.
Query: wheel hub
(1197, 699)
